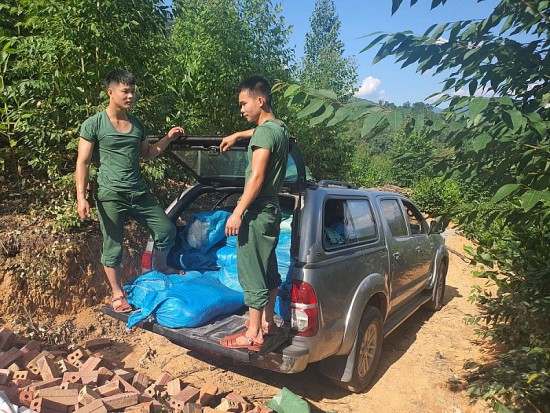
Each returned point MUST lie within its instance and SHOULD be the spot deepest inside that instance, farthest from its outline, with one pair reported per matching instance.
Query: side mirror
(438, 225)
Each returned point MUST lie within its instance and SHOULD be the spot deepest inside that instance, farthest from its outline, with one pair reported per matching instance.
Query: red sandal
(123, 305)
(231, 342)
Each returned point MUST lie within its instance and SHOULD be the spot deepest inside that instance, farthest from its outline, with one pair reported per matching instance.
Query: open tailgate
(205, 339)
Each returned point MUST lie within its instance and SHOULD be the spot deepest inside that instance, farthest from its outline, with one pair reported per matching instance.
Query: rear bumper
(292, 359)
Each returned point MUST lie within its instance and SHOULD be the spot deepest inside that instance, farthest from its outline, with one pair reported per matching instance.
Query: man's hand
(83, 209)
(175, 132)
(228, 142)
(233, 224)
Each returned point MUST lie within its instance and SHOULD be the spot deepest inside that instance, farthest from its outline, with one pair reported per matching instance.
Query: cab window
(416, 221)
(394, 217)
(347, 222)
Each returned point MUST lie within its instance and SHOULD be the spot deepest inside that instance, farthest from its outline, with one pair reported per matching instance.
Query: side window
(394, 217)
(417, 223)
(347, 222)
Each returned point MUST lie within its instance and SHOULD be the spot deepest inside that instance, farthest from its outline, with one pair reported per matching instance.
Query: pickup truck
(355, 264)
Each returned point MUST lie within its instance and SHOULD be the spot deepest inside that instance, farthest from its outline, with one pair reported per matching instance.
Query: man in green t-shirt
(119, 141)
(257, 217)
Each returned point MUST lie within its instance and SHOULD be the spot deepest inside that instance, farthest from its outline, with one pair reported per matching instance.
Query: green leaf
(340, 115)
(311, 108)
(480, 142)
(291, 90)
(329, 94)
(477, 106)
(503, 192)
(323, 116)
(529, 199)
(370, 122)
(395, 5)
(513, 118)
(395, 118)
(374, 42)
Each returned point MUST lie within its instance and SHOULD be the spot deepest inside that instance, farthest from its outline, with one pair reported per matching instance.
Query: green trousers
(114, 208)
(256, 260)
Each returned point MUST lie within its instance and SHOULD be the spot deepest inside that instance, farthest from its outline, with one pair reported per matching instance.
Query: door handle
(396, 255)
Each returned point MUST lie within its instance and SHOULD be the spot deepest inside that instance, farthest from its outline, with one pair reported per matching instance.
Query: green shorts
(115, 207)
(256, 260)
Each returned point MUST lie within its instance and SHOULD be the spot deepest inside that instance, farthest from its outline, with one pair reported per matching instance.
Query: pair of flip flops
(271, 330)
(120, 304)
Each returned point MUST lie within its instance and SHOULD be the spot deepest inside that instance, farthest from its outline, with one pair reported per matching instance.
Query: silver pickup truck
(357, 263)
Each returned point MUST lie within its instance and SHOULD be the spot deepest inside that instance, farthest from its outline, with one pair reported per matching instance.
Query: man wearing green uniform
(119, 141)
(257, 217)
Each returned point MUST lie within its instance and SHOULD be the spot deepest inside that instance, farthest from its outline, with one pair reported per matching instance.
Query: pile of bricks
(83, 381)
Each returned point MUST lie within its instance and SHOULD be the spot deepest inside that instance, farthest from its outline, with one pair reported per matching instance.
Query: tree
(323, 64)
(502, 141)
(216, 44)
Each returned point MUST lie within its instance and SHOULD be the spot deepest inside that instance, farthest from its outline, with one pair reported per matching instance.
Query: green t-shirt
(118, 153)
(272, 135)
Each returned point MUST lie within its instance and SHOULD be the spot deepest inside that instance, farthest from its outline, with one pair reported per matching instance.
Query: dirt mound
(47, 272)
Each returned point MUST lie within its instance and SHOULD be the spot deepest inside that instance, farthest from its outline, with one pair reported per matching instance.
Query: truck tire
(438, 296)
(368, 348)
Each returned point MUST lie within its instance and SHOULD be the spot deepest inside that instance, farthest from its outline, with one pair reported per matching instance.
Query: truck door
(407, 260)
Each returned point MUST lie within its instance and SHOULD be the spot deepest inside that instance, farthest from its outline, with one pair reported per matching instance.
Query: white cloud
(369, 88)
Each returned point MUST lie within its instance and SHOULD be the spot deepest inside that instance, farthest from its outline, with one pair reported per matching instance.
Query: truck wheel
(368, 348)
(436, 303)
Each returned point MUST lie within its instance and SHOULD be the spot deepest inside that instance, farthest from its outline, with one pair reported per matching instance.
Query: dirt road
(420, 367)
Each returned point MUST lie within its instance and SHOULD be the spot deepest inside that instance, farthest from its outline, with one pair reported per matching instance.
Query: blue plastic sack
(200, 239)
(190, 302)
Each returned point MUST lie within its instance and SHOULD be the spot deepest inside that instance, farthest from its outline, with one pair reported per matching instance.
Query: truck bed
(204, 339)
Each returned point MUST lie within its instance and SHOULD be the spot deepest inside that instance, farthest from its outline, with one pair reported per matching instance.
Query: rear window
(212, 163)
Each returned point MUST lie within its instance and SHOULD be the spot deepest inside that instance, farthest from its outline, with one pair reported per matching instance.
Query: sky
(384, 80)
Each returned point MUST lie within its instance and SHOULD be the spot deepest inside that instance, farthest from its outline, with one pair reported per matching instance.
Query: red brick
(63, 366)
(192, 408)
(111, 388)
(174, 387)
(26, 397)
(5, 376)
(41, 405)
(94, 407)
(207, 392)
(48, 368)
(141, 382)
(119, 401)
(188, 395)
(140, 408)
(66, 397)
(45, 383)
(163, 379)
(97, 343)
(87, 395)
(7, 338)
(91, 364)
(9, 357)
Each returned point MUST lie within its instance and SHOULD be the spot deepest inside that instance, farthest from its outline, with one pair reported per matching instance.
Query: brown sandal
(123, 305)
(231, 342)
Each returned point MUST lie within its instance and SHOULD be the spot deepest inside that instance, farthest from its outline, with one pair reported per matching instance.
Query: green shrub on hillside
(437, 196)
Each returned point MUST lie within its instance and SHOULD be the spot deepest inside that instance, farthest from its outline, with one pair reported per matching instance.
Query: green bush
(437, 196)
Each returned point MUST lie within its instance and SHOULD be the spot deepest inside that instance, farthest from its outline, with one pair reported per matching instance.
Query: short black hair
(257, 85)
(119, 77)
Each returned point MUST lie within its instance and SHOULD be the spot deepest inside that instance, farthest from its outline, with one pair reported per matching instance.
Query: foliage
(323, 64)
(499, 138)
(208, 63)
(63, 51)
(437, 196)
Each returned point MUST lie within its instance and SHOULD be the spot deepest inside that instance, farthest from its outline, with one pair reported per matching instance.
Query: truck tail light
(304, 310)
(147, 261)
